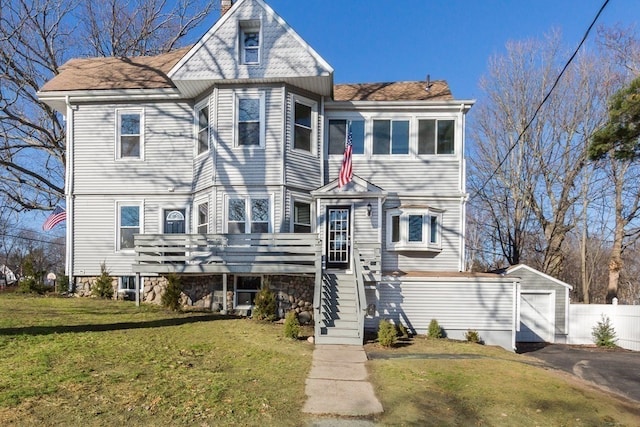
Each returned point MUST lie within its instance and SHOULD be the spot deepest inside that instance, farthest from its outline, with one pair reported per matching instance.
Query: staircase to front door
(339, 323)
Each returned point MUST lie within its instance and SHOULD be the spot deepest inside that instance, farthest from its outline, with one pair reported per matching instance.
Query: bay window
(414, 229)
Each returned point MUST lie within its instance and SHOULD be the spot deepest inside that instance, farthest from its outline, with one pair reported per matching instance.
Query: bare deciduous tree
(36, 38)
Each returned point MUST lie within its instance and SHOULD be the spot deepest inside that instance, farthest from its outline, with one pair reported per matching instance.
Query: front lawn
(70, 361)
(82, 361)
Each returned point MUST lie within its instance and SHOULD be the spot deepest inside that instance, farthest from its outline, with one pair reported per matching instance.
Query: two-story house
(220, 162)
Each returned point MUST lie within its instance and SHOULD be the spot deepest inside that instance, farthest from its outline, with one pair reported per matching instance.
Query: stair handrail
(361, 299)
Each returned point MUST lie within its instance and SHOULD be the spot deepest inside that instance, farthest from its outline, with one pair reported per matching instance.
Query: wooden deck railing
(275, 253)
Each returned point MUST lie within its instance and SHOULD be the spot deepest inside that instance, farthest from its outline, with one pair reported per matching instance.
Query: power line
(32, 239)
(535, 114)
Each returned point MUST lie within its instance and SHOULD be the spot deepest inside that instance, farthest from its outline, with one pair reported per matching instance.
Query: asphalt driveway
(615, 370)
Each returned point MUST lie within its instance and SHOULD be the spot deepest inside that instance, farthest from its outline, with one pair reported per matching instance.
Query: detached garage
(544, 306)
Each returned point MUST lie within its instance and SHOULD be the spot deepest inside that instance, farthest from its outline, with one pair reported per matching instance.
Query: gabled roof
(138, 72)
(393, 91)
(358, 187)
(285, 56)
(514, 268)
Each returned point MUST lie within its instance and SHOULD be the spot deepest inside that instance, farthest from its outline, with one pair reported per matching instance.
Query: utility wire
(535, 114)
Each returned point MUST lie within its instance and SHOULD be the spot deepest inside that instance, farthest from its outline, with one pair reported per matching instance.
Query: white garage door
(537, 317)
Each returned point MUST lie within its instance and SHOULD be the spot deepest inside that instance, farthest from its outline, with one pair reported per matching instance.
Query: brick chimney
(225, 5)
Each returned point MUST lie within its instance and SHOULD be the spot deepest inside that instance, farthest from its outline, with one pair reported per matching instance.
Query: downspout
(69, 195)
(463, 188)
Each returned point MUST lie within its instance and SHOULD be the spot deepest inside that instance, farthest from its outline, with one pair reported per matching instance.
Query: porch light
(369, 209)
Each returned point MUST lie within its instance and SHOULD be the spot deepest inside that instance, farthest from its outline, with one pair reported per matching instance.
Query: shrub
(171, 297)
(473, 336)
(386, 333)
(291, 325)
(435, 331)
(402, 330)
(603, 333)
(103, 288)
(31, 282)
(264, 305)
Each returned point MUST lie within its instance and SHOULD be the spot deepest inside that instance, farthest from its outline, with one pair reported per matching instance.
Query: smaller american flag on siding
(57, 216)
(346, 170)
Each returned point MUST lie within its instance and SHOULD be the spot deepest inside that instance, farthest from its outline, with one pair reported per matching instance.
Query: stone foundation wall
(292, 292)
(83, 286)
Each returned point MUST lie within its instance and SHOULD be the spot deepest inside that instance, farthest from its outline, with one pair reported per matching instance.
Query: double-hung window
(129, 134)
(304, 115)
(250, 126)
(202, 212)
(436, 136)
(414, 229)
(338, 136)
(248, 215)
(391, 137)
(202, 118)
(301, 217)
(128, 225)
(250, 42)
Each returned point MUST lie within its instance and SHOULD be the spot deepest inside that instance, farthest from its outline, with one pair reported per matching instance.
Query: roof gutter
(463, 105)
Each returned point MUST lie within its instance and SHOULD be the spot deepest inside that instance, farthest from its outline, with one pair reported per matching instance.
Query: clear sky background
(452, 40)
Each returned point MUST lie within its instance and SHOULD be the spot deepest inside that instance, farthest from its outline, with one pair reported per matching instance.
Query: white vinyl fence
(624, 318)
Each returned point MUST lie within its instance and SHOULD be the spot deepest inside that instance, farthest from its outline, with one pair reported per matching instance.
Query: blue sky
(384, 40)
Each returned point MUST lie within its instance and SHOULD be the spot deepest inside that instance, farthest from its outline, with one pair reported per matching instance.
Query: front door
(174, 222)
(338, 237)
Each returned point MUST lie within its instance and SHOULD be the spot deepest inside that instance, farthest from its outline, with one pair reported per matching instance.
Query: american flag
(57, 216)
(346, 170)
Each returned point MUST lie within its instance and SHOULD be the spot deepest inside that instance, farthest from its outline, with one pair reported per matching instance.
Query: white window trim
(235, 290)
(436, 119)
(297, 99)
(404, 244)
(412, 118)
(392, 120)
(118, 205)
(196, 214)
(237, 96)
(247, 200)
(118, 145)
(199, 106)
(250, 26)
(306, 200)
(123, 290)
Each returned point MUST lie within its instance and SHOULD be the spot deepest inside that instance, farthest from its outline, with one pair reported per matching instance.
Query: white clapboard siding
(95, 230)
(283, 54)
(459, 304)
(302, 169)
(424, 176)
(168, 146)
(448, 259)
(624, 318)
(249, 165)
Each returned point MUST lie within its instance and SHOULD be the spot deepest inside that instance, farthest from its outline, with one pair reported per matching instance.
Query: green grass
(94, 362)
(447, 383)
(71, 361)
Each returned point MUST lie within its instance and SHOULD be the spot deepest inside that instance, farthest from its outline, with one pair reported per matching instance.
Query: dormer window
(250, 42)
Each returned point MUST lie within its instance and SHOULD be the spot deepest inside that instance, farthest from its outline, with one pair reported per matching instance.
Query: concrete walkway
(337, 383)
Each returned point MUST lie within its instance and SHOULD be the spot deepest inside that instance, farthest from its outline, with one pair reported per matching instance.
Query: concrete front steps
(339, 317)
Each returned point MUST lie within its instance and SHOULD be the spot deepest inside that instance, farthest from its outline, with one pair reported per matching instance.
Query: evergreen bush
(291, 325)
(31, 281)
(435, 331)
(387, 334)
(473, 336)
(264, 307)
(171, 297)
(103, 288)
(603, 333)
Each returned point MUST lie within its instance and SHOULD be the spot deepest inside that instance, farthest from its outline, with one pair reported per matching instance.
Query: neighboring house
(7, 278)
(220, 162)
